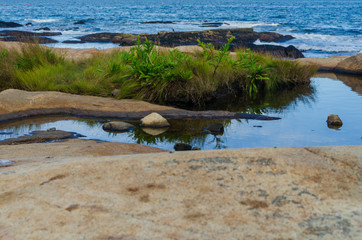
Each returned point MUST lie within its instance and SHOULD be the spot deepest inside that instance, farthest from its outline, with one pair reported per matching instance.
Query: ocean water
(321, 27)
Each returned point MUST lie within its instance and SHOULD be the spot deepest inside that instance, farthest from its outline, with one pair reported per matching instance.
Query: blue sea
(321, 27)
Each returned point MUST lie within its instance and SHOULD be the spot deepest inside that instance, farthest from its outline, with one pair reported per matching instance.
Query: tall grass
(149, 74)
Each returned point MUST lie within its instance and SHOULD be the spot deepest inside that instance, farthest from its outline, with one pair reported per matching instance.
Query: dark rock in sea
(80, 22)
(244, 37)
(211, 24)
(182, 147)
(215, 129)
(334, 121)
(73, 41)
(41, 40)
(157, 22)
(29, 24)
(23, 34)
(38, 137)
(9, 24)
(43, 29)
(274, 37)
(117, 126)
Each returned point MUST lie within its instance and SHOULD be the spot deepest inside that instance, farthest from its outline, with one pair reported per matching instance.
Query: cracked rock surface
(269, 193)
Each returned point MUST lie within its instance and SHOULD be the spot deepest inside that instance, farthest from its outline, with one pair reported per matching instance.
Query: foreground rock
(227, 194)
(244, 37)
(16, 104)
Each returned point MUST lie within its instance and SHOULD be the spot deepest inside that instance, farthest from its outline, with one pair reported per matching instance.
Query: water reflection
(303, 110)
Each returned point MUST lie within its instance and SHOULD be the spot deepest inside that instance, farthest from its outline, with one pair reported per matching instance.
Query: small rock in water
(196, 148)
(117, 126)
(6, 163)
(215, 129)
(334, 121)
(182, 147)
(257, 126)
(154, 120)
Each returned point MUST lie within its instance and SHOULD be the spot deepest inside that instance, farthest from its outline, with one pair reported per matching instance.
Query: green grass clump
(148, 73)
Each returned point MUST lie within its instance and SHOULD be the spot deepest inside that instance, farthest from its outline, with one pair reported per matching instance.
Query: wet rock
(182, 147)
(51, 129)
(29, 24)
(9, 24)
(211, 24)
(334, 122)
(117, 126)
(351, 65)
(154, 120)
(215, 129)
(73, 42)
(38, 137)
(43, 29)
(79, 22)
(154, 131)
(244, 37)
(157, 22)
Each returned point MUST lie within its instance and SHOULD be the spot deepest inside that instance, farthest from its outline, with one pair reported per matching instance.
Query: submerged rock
(182, 147)
(215, 129)
(117, 126)
(334, 121)
(154, 120)
(39, 137)
(79, 22)
(43, 29)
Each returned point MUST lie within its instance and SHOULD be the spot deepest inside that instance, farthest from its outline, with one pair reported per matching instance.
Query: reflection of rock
(38, 137)
(351, 65)
(334, 121)
(117, 126)
(154, 131)
(215, 129)
(182, 147)
(154, 120)
(352, 81)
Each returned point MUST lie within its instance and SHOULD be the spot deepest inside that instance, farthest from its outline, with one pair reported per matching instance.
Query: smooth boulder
(117, 126)
(351, 65)
(154, 120)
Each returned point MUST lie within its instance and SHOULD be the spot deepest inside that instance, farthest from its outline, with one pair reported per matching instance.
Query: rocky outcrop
(15, 104)
(244, 37)
(9, 24)
(22, 36)
(351, 65)
(225, 194)
(338, 64)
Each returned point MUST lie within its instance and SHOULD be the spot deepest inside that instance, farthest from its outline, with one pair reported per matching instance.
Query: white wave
(247, 24)
(48, 20)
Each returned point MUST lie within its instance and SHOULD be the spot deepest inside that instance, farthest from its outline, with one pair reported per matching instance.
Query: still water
(303, 113)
